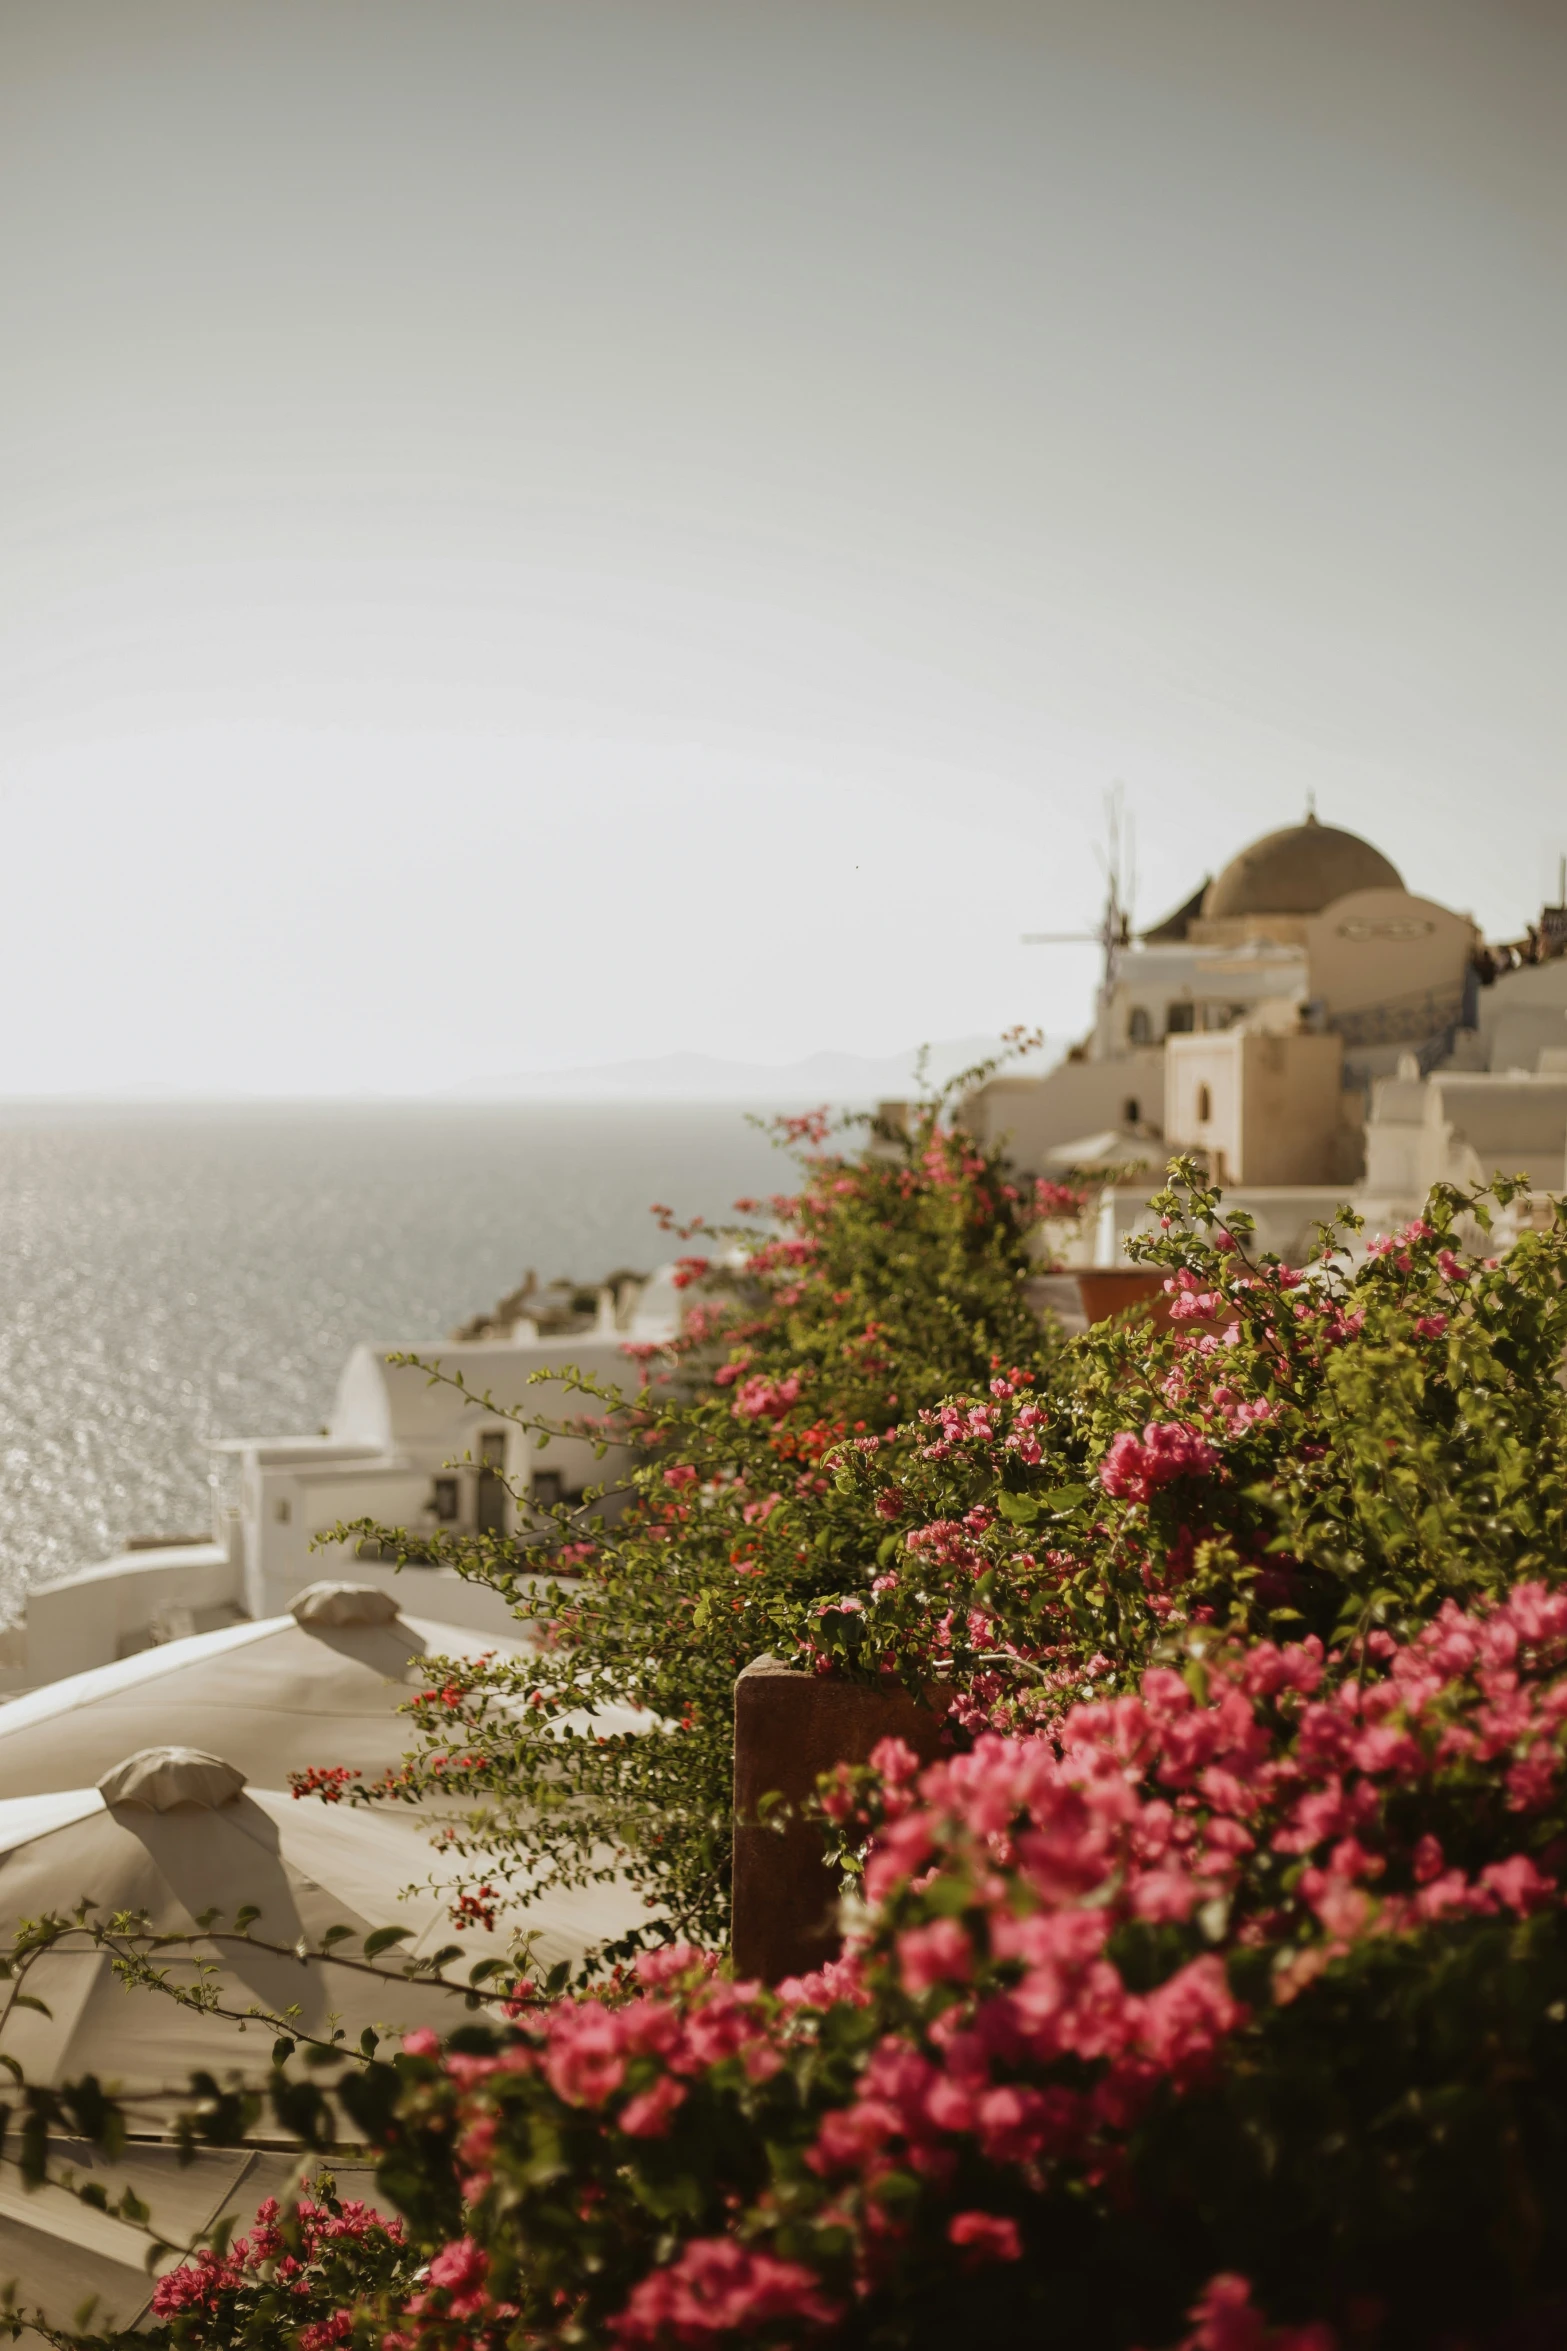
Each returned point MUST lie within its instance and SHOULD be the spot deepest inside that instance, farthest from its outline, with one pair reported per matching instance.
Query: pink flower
(1014, 2123)
(715, 2287)
(1228, 2320)
(848, 2134)
(1052, 1200)
(647, 2115)
(585, 2060)
(940, 1953)
(895, 1760)
(985, 2236)
(1519, 1884)
(675, 1959)
(460, 2270)
(1429, 1861)
(195, 2285)
(837, 1980)
(1133, 1470)
(421, 2042)
(460, 2266)
(764, 1399)
(1187, 2017)
(323, 2333)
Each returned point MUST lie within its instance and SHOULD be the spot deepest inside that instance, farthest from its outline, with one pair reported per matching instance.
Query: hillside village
(1304, 1025)
(1311, 1031)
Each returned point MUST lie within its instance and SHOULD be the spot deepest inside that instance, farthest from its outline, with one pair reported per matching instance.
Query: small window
(491, 1494)
(1204, 1106)
(549, 1488)
(1179, 1019)
(1139, 1029)
(1131, 1111)
(282, 1510)
(443, 1500)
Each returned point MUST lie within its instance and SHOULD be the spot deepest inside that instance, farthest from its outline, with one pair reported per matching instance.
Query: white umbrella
(323, 1685)
(59, 2252)
(178, 1834)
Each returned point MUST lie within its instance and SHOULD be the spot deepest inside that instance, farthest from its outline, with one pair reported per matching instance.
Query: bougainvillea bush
(1244, 1992)
(894, 1271)
(1335, 1449)
(295, 2276)
(1213, 1990)
(1260, 1971)
(886, 1467)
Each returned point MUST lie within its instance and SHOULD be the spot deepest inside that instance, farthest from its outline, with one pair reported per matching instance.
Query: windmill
(1117, 861)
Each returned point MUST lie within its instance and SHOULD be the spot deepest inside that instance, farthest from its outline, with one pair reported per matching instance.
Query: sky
(563, 531)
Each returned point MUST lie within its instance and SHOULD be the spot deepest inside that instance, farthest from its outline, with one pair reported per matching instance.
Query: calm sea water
(172, 1275)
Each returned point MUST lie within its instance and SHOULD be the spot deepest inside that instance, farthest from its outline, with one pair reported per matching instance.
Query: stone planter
(789, 1728)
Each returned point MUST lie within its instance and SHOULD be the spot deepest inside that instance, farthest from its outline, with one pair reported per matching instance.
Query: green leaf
(382, 1939)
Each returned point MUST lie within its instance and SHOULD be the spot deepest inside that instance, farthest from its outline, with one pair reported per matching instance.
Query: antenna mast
(1114, 935)
(1115, 930)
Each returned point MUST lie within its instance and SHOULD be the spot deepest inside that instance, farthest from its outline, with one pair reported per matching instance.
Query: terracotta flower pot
(1108, 1290)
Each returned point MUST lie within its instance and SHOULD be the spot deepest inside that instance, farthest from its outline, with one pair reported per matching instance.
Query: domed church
(1297, 871)
(1266, 1025)
(1312, 922)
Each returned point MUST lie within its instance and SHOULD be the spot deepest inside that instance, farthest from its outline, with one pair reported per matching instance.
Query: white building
(1312, 1032)
(1308, 1028)
(420, 1454)
(404, 1450)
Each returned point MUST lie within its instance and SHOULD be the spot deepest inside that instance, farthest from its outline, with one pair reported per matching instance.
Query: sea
(173, 1274)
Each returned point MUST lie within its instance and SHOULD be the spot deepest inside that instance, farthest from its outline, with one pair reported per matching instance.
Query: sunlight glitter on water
(168, 1276)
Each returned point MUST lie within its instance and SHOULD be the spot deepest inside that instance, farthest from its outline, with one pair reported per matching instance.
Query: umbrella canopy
(324, 1684)
(177, 1835)
(59, 2251)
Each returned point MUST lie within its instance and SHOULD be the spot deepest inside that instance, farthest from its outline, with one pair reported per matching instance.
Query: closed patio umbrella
(174, 1834)
(59, 2252)
(324, 1684)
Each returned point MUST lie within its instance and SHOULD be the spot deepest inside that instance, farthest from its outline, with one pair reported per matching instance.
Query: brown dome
(1298, 871)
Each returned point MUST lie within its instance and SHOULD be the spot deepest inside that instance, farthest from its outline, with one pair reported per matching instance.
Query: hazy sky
(536, 534)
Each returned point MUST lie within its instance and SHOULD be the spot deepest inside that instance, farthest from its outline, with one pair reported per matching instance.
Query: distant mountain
(702, 1077)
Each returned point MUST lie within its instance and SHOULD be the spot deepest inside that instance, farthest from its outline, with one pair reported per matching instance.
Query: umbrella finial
(160, 1778)
(329, 1604)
